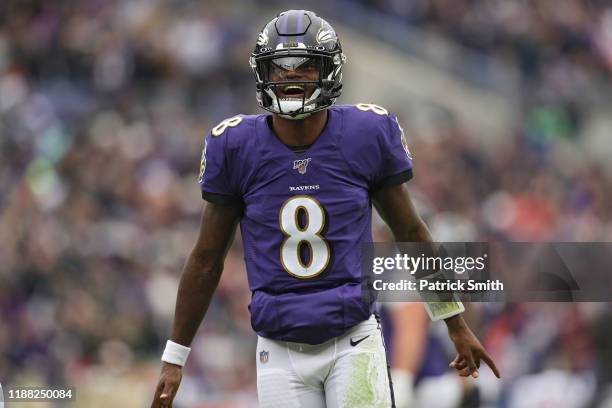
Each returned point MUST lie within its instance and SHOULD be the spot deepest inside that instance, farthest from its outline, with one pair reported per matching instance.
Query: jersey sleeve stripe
(222, 199)
(393, 180)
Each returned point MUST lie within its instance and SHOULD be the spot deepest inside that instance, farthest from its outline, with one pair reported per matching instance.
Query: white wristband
(443, 310)
(441, 306)
(175, 353)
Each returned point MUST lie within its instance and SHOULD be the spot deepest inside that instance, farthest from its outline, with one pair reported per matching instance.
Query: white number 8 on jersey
(309, 234)
(371, 107)
(229, 122)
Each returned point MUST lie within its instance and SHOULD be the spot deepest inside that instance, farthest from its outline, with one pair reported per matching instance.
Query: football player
(301, 182)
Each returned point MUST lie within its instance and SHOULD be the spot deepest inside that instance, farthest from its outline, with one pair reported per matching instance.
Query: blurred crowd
(564, 46)
(103, 109)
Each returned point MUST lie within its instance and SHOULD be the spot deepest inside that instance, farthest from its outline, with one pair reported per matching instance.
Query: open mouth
(293, 91)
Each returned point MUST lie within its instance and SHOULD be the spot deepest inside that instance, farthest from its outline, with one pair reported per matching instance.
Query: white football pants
(349, 371)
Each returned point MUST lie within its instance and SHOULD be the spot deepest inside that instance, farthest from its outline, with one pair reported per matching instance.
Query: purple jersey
(305, 214)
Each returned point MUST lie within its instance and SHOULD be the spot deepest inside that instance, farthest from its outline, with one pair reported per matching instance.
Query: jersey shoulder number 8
(371, 107)
(229, 122)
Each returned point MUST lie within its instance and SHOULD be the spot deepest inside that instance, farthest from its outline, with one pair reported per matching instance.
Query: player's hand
(469, 350)
(169, 381)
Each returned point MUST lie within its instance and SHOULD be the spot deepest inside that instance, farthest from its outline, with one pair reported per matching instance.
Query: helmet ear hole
(263, 70)
(327, 84)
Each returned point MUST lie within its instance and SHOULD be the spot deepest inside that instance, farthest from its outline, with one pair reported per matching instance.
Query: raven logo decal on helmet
(324, 36)
(263, 38)
(295, 39)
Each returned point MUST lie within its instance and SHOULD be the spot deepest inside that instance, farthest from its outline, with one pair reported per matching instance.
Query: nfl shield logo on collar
(301, 165)
(264, 356)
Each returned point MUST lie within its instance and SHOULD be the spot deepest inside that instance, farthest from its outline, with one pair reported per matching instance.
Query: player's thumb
(157, 401)
(167, 394)
(471, 363)
(473, 366)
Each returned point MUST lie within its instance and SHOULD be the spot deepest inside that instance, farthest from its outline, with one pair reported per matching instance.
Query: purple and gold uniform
(305, 214)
